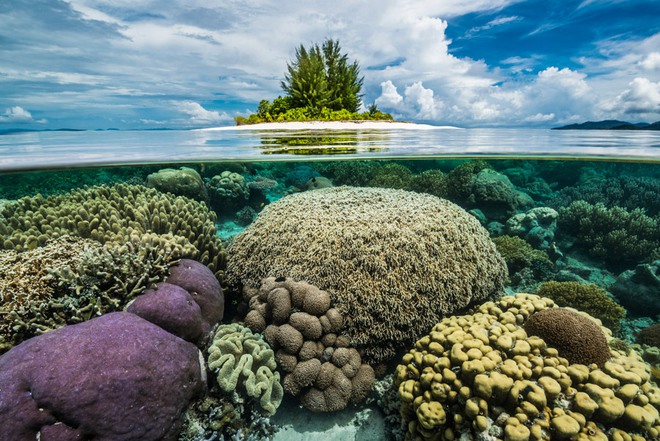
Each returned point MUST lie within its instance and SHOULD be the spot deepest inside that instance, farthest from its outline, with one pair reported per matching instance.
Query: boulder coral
(116, 214)
(392, 261)
(480, 376)
(123, 376)
(317, 362)
(639, 289)
(228, 190)
(242, 360)
(184, 181)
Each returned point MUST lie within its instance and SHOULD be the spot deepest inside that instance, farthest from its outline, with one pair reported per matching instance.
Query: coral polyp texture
(481, 376)
(242, 360)
(317, 361)
(393, 261)
(117, 214)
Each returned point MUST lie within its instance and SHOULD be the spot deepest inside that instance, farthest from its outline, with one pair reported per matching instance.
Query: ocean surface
(376, 284)
(37, 150)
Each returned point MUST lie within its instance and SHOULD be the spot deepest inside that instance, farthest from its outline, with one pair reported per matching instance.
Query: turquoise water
(400, 229)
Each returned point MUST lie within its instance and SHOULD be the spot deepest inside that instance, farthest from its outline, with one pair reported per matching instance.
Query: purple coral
(114, 378)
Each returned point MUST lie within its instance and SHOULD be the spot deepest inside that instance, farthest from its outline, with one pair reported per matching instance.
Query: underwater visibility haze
(495, 284)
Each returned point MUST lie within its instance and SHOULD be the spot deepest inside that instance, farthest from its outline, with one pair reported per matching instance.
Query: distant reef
(610, 124)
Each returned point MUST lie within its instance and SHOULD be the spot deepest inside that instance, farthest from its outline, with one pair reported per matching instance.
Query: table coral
(493, 381)
(242, 359)
(393, 261)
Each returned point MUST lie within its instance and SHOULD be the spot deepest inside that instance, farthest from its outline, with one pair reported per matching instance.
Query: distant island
(320, 85)
(610, 124)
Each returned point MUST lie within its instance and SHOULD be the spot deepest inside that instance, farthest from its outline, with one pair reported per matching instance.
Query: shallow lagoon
(578, 207)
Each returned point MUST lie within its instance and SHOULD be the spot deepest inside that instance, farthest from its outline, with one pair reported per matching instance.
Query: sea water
(583, 207)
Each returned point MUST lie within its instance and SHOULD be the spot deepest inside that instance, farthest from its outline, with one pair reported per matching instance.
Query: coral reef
(537, 226)
(585, 297)
(391, 176)
(433, 182)
(239, 357)
(184, 181)
(481, 376)
(639, 289)
(70, 279)
(459, 179)
(118, 214)
(577, 338)
(229, 191)
(615, 234)
(126, 375)
(318, 182)
(649, 336)
(496, 196)
(527, 266)
(393, 261)
(317, 361)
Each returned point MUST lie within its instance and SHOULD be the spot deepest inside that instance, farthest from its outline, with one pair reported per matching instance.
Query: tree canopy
(322, 77)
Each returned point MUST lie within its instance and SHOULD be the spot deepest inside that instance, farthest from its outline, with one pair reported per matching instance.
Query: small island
(320, 85)
(610, 124)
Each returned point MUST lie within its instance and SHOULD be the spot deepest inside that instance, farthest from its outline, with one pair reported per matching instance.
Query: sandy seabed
(333, 125)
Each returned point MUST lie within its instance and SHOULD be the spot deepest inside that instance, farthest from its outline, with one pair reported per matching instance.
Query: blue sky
(192, 63)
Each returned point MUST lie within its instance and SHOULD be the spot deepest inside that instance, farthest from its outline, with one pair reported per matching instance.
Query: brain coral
(393, 261)
(119, 214)
(238, 356)
(480, 376)
(576, 337)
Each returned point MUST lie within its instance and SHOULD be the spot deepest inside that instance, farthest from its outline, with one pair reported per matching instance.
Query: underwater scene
(381, 299)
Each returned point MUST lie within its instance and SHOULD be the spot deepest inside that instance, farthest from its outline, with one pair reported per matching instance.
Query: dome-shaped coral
(393, 261)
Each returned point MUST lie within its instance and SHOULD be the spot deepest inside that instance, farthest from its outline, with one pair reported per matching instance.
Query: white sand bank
(333, 125)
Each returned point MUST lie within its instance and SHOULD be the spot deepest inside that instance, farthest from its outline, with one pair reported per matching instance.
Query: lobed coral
(317, 361)
(585, 297)
(242, 359)
(393, 261)
(481, 376)
(118, 214)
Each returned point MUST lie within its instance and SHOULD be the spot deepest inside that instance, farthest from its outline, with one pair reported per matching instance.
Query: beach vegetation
(320, 84)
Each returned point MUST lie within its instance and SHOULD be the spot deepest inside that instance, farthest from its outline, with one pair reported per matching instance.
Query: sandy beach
(333, 125)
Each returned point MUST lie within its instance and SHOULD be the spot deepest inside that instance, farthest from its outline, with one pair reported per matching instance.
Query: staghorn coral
(480, 376)
(115, 214)
(393, 261)
(615, 234)
(585, 297)
(577, 338)
(242, 359)
(299, 323)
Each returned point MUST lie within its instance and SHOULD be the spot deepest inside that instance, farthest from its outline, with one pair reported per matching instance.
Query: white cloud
(389, 96)
(198, 115)
(540, 117)
(651, 61)
(641, 97)
(18, 115)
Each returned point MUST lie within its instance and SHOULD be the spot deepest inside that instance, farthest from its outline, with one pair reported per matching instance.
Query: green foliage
(614, 234)
(278, 114)
(585, 297)
(322, 77)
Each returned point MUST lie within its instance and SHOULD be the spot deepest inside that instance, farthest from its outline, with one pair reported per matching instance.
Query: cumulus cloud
(641, 97)
(18, 115)
(198, 115)
(651, 61)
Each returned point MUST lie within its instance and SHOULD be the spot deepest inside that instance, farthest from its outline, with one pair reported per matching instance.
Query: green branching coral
(391, 176)
(613, 234)
(588, 298)
(520, 255)
(433, 182)
(459, 179)
(239, 357)
(114, 214)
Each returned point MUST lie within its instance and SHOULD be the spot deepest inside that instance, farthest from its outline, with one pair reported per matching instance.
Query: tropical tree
(322, 77)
